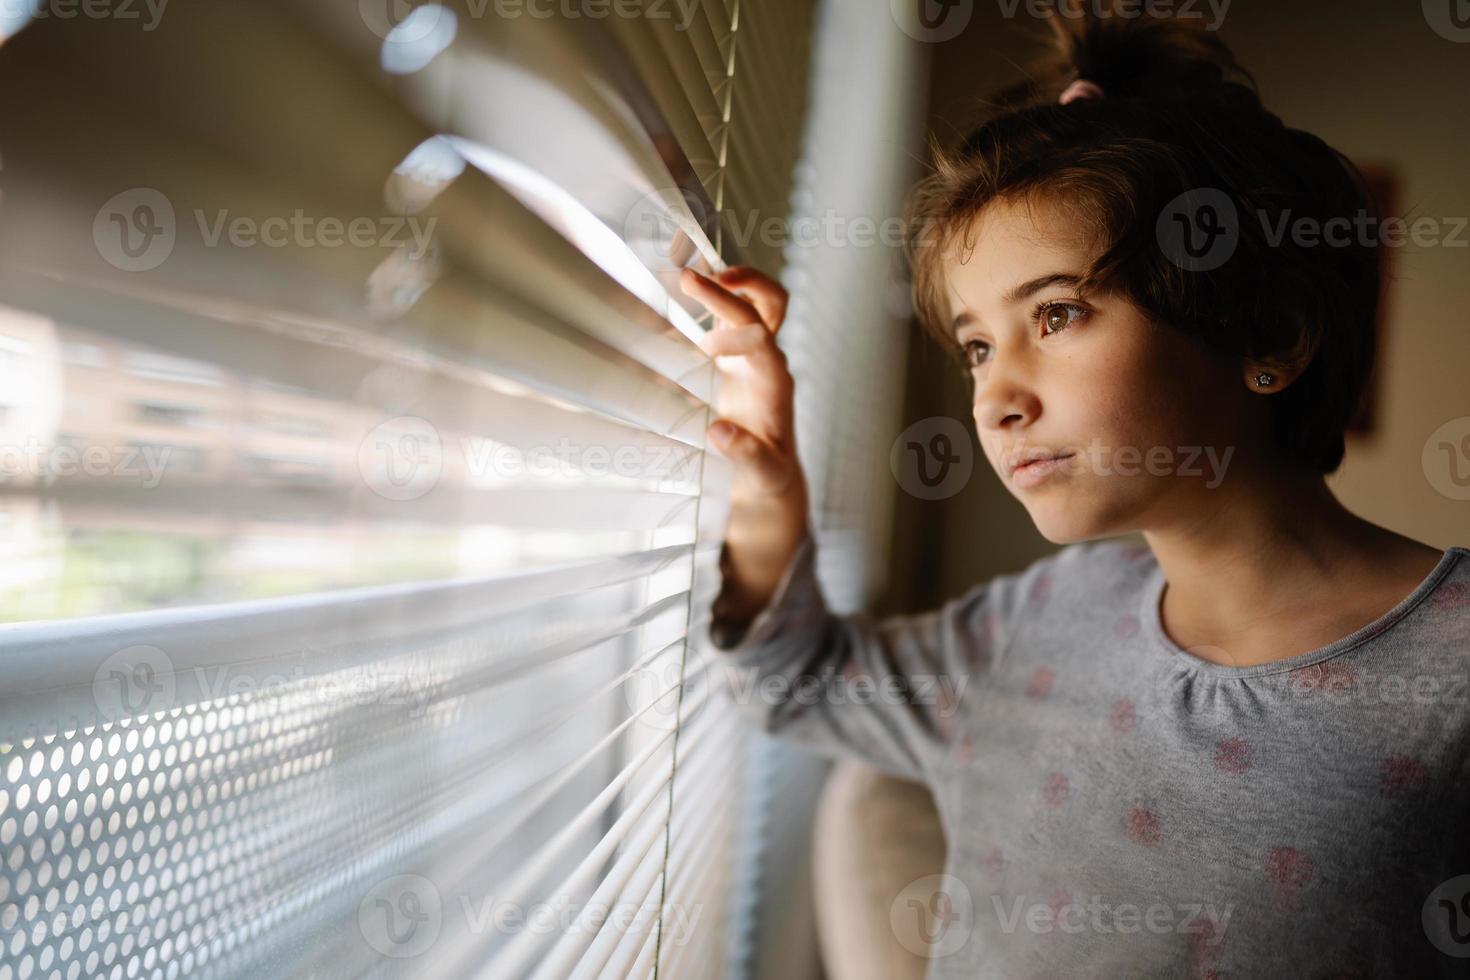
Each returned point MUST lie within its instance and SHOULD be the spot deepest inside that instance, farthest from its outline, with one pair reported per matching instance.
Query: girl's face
(1153, 420)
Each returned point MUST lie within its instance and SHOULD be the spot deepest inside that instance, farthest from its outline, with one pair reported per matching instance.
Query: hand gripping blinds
(355, 508)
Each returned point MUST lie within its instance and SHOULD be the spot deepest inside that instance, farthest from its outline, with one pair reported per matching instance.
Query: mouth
(1036, 460)
(1033, 469)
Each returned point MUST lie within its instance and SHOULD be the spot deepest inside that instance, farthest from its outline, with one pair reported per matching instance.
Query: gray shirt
(1115, 806)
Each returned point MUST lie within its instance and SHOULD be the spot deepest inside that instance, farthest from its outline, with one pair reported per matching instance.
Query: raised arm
(891, 692)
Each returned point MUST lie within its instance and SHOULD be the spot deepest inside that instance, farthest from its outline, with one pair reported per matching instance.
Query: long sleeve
(892, 692)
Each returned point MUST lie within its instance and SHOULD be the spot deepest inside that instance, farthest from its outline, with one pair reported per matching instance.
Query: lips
(1021, 460)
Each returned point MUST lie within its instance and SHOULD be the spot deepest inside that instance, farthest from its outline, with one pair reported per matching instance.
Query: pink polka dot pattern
(1137, 553)
(1126, 626)
(1206, 943)
(1331, 677)
(1452, 595)
(993, 861)
(1041, 588)
(1062, 913)
(1057, 789)
(1144, 827)
(1233, 755)
(1288, 871)
(991, 627)
(1123, 717)
(1403, 776)
(1041, 681)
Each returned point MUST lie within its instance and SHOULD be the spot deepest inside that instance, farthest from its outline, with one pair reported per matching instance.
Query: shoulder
(1062, 588)
(1108, 567)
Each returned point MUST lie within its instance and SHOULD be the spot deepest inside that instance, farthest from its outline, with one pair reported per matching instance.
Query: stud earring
(1264, 380)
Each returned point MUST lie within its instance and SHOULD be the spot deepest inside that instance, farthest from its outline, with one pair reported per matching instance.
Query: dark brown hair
(1178, 115)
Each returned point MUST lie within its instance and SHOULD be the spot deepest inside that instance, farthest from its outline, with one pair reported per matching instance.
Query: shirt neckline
(1153, 595)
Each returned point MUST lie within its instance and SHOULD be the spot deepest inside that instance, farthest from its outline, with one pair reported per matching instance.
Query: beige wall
(1376, 82)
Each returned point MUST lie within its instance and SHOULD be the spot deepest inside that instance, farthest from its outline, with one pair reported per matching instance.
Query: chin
(1063, 521)
(1065, 532)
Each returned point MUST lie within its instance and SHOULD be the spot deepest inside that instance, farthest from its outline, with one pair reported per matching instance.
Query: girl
(1240, 751)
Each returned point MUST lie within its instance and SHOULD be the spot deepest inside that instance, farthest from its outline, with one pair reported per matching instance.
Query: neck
(1265, 548)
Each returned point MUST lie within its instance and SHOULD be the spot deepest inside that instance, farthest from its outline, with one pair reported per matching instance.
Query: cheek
(1152, 389)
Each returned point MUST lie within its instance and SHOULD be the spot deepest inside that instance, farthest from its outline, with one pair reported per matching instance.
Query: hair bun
(1132, 54)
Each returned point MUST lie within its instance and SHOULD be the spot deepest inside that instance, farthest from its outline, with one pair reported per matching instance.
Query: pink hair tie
(1081, 89)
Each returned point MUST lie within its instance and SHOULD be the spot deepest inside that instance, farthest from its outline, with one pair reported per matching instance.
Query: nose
(1004, 401)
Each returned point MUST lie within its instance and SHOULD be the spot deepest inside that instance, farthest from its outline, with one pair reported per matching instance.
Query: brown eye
(975, 352)
(1056, 317)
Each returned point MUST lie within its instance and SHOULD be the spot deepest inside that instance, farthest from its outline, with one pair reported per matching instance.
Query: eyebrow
(1018, 293)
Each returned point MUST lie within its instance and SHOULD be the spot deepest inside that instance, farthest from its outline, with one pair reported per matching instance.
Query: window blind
(356, 489)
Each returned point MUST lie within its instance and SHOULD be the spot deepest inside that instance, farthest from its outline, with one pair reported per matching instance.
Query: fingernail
(720, 434)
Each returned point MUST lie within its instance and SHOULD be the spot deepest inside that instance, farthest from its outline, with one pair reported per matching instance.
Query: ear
(1285, 366)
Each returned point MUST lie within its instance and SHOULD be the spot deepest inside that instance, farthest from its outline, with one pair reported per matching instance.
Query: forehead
(1009, 242)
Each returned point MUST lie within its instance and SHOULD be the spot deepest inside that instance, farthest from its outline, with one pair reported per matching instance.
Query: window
(365, 641)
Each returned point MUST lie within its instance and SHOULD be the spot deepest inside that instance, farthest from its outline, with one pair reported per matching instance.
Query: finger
(746, 450)
(768, 295)
(720, 301)
(752, 340)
